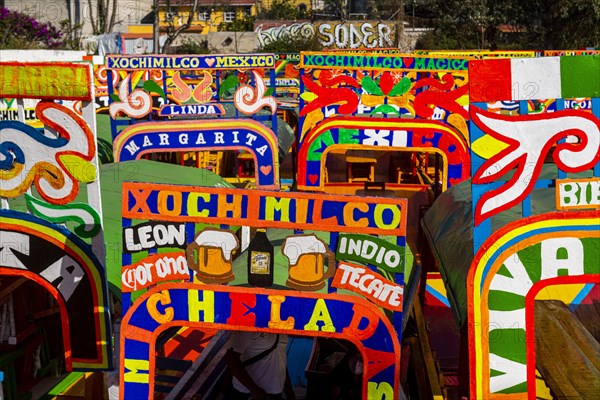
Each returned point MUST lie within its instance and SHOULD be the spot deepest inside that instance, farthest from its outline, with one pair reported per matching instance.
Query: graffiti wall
(57, 239)
(289, 284)
(346, 94)
(555, 149)
(332, 34)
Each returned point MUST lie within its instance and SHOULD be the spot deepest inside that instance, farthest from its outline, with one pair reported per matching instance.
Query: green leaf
(401, 87)
(153, 87)
(269, 92)
(229, 83)
(115, 98)
(385, 109)
(370, 86)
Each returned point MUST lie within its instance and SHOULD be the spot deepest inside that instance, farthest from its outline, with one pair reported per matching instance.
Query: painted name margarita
(382, 62)
(261, 208)
(192, 62)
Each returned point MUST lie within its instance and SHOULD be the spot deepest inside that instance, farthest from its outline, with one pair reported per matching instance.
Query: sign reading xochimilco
(317, 225)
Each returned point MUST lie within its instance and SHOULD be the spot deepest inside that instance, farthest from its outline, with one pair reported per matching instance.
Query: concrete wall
(41, 55)
(224, 42)
(129, 12)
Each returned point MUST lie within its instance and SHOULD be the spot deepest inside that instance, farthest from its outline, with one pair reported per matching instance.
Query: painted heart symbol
(313, 178)
(407, 62)
(266, 169)
(210, 61)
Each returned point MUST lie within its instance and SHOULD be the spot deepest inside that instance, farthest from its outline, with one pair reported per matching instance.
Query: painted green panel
(580, 76)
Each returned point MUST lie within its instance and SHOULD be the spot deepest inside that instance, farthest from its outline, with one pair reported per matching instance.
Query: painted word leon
(578, 193)
(153, 235)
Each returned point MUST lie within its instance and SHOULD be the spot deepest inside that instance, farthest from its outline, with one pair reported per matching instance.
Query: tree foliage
(245, 24)
(20, 31)
(511, 24)
(102, 15)
(173, 30)
(295, 44)
(282, 9)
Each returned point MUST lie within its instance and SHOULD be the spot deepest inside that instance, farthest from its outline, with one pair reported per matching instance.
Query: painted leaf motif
(229, 83)
(400, 88)
(385, 109)
(153, 87)
(386, 82)
(308, 96)
(269, 92)
(370, 86)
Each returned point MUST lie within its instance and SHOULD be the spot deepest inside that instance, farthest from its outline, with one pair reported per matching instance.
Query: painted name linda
(373, 286)
(154, 269)
(153, 235)
(191, 109)
(381, 62)
(191, 62)
(240, 207)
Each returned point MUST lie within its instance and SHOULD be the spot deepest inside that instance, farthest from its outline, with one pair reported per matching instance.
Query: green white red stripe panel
(534, 78)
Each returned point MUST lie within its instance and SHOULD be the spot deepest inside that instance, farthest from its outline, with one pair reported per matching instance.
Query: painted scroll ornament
(87, 220)
(250, 100)
(523, 142)
(136, 104)
(202, 93)
(210, 255)
(307, 254)
(55, 161)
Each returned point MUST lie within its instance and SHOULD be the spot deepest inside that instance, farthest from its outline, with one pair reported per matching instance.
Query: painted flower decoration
(386, 91)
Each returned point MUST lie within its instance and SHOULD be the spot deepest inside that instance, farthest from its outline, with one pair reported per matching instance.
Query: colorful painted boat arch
(381, 134)
(512, 264)
(231, 308)
(382, 102)
(507, 273)
(345, 224)
(222, 134)
(58, 260)
(60, 161)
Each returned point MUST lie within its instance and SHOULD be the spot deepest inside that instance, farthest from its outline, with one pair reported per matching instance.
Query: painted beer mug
(307, 255)
(210, 255)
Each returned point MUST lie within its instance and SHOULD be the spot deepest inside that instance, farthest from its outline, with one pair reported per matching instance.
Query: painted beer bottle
(260, 260)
